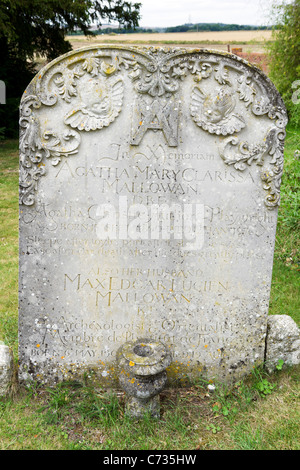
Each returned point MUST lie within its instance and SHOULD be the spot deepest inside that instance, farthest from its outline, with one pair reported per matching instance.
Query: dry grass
(251, 40)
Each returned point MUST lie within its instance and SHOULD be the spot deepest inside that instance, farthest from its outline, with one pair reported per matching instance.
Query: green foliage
(280, 364)
(213, 428)
(247, 438)
(35, 27)
(264, 387)
(284, 56)
(261, 384)
(32, 28)
(290, 189)
(84, 402)
(288, 231)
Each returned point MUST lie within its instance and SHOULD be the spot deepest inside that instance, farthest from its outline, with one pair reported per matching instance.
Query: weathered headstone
(2, 92)
(149, 187)
(283, 342)
(6, 369)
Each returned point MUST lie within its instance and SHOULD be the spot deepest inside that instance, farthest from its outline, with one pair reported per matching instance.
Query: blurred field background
(251, 45)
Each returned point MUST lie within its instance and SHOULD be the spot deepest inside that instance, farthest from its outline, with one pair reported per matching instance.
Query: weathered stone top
(144, 357)
(87, 87)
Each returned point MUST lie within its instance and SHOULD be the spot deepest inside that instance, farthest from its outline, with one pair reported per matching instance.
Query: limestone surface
(6, 369)
(283, 342)
(149, 188)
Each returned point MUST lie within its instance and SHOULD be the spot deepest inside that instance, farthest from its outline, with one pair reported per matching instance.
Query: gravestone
(149, 189)
(2, 92)
(6, 369)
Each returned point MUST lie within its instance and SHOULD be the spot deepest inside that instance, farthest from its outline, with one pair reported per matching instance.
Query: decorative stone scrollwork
(241, 154)
(35, 147)
(90, 86)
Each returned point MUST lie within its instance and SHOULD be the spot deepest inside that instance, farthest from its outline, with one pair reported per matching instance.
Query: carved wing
(215, 112)
(198, 98)
(234, 123)
(99, 114)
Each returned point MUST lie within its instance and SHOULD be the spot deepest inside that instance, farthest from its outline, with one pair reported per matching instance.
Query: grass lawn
(259, 413)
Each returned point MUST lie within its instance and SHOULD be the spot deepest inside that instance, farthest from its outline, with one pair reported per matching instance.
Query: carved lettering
(149, 186)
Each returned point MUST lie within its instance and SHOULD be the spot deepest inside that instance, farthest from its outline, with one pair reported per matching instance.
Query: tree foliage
(39, 27)
(30, 28)
(212, 27)
(284, 55)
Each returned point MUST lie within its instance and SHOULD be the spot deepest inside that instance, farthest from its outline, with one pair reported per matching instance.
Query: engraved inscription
(94, 84)
(149, 187)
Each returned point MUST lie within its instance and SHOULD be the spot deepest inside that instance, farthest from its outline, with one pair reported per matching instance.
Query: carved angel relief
(214, 112)
(101, 104)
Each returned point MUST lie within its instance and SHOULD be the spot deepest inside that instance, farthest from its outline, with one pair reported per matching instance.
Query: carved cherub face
(96, 97)
(101, 102)
(215, 112)
(218, 107)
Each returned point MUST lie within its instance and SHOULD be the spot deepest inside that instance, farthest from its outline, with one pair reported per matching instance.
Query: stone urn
(142, 375)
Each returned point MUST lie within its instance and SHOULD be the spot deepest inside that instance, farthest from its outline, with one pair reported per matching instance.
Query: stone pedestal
(283, 342)
(142, 375)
